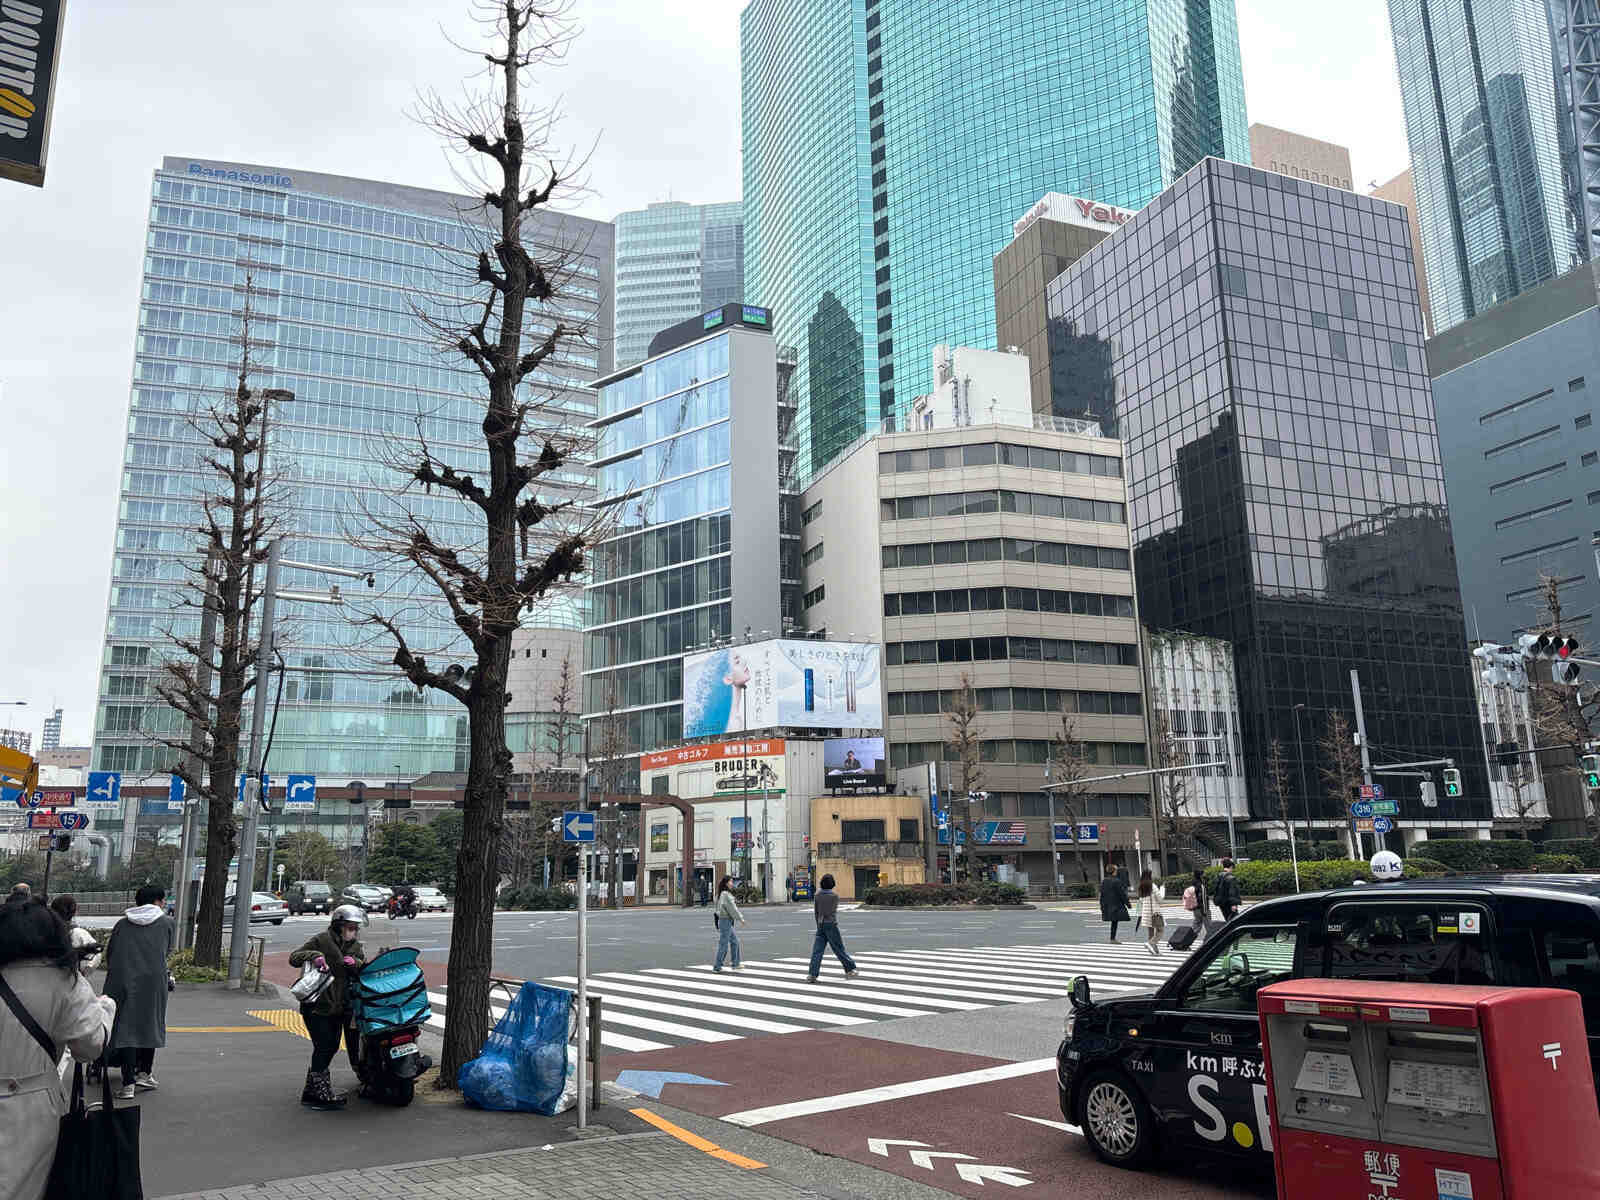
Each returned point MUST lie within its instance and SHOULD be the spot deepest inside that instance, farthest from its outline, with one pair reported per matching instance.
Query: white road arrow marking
(104, 790)
(1073, 1129)
(881, 1145)
(924, 1158)
(982, 1173)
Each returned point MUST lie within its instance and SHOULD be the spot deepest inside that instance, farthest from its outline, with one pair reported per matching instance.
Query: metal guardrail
(507, 990)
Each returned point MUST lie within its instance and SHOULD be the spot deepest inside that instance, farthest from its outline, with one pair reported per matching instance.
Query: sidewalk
(226, 1124)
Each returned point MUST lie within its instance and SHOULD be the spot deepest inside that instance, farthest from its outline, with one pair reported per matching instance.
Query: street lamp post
(1305, 796)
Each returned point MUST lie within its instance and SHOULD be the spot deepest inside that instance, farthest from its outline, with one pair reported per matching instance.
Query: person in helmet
(337, 951)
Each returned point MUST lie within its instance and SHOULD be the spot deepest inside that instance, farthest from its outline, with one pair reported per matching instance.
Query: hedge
(1277, 879)
(1587, 850)
(1470, 854)
(1558, 864)
(1278, 851)
(901, 895)
(540, 899)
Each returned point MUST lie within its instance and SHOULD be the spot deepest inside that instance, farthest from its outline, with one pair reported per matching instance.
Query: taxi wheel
(1116, 1121)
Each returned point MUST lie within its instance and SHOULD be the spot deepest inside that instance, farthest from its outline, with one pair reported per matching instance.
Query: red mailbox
(1392, 1091)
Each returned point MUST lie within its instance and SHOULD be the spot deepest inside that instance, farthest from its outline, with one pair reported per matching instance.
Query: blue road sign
(1361, 808)
(105, 787)
(72, 819)
(577, 826)
(266, 786)
(175, 792)
(1382, 824)
(15, 796)
(301, 790)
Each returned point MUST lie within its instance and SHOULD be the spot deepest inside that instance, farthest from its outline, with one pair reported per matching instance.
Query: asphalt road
(538, 945)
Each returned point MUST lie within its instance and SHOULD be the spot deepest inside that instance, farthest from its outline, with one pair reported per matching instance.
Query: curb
(949, 908)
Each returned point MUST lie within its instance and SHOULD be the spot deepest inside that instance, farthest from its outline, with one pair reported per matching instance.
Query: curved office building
(889, 145)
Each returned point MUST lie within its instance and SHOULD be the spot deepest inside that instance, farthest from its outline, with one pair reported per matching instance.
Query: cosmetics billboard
(782, 682)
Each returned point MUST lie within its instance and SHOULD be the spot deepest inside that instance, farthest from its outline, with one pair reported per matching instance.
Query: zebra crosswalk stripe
(797, 991)
(650, 989)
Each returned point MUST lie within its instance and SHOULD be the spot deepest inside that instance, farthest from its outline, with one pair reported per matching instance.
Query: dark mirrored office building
(1262, 356)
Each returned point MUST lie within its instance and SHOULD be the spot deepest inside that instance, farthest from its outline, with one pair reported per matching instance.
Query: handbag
(311, 984)
(97, 1154)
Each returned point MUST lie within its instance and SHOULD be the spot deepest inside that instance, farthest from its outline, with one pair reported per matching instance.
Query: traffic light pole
(1366, 758)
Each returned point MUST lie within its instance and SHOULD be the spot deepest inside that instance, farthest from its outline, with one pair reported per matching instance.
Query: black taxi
(1181, 1070)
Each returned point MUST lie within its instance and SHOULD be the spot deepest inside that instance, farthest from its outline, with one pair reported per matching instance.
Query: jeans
(133, 1062)
(726, 939)
(325, 1033)
(828, 935)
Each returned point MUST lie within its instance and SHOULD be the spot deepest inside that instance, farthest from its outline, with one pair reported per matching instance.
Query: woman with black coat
(1114, 899)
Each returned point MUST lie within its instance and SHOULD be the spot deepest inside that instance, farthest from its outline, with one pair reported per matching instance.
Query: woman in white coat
(41, 978)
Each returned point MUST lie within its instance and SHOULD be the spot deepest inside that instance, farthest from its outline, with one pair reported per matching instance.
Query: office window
(815, 595)
(861, 831)
(910, 829)
(811, 555)
(1575, 385)
(1584, 421)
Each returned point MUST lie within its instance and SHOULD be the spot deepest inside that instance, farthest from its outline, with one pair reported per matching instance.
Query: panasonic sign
(30, 44)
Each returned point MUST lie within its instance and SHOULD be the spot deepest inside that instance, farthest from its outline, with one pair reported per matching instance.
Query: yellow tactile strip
(286, 1019)
(695, 1140)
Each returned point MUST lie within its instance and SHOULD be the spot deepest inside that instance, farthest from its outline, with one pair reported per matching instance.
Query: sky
(650, 90)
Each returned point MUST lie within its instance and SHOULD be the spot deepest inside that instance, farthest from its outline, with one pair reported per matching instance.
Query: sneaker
(146, 1081)
(852, 974)
(811, 978)
(718, 970)
(125, 1093)
(738, 966)
(1150, 946)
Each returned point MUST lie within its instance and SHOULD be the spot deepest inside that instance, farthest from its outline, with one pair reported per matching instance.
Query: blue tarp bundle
(390, 991)
(523, 1065)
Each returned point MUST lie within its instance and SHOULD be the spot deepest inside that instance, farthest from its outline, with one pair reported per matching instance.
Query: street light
(1300, 757)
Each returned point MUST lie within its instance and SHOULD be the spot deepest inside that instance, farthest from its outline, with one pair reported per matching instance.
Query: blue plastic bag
(523, 1065)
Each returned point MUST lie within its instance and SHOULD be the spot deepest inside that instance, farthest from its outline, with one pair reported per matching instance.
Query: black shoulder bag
(97, 1153)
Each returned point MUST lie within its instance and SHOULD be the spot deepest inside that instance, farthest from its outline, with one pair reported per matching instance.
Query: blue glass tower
(890, 144)
(1488, 125)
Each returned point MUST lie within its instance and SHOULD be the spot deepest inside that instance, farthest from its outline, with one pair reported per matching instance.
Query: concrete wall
(893, 861)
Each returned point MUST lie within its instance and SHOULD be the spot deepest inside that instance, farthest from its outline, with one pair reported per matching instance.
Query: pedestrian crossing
(659, 1007)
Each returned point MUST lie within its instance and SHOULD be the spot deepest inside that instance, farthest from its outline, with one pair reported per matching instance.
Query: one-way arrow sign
(577, 826)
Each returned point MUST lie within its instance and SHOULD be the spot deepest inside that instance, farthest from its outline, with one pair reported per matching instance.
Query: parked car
(1181, 1069)
(309, 896)
(431, 899)
(263, 907)
(369, 896)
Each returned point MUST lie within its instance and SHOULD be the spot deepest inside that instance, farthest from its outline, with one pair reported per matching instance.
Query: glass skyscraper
(338, 269)
(889, 145)
(1490, 158)
(1262, 354)
(674, 261)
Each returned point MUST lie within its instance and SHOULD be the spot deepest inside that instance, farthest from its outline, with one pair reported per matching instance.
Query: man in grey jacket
(826, 910)
(136, 978)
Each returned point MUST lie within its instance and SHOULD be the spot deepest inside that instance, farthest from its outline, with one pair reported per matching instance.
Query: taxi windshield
(1416, 943)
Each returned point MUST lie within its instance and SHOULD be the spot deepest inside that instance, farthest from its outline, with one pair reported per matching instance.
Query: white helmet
(1386, 865)
(348, 914)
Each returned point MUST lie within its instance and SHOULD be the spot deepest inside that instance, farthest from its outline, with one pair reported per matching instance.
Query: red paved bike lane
(969, 1135)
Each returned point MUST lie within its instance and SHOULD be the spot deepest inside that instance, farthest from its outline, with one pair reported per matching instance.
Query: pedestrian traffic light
(1591, 772)
(1452, 782)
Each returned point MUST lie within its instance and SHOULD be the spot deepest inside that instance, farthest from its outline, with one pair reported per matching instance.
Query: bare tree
(610, 746)
(528, 535)
(966, 744)
(1340, 765)
(1175, 824)
(1561, 715)
(234, 530)
(1069, 773)
(1278, 785)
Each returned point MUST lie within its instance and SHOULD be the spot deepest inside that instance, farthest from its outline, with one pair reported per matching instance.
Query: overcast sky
(325, 85)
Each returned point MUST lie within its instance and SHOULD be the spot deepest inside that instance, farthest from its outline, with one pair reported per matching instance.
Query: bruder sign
(30, 43)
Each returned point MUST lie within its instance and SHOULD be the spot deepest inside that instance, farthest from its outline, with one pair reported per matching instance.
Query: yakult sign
(1074, 210)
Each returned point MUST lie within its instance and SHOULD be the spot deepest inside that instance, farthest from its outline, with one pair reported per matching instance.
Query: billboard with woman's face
(782, 682)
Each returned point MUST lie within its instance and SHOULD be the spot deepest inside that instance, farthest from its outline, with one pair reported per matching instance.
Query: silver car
(263, 907)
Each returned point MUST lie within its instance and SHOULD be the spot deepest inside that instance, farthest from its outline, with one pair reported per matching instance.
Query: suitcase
(1182, 938)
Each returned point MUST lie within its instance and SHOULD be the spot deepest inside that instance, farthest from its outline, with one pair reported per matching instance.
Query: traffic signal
(1557, 650)
(1591, 771)
(1452, 782)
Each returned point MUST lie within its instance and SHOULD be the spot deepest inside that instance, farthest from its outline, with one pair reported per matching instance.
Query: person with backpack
(727, 913)
(1228, 895)
(1114, 899)
(1196, 901)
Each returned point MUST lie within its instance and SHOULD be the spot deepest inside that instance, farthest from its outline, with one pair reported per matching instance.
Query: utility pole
(583, 938)
(766, 836)
(252, 792)
(197, 747)
(1055, 854)
(1366, 758)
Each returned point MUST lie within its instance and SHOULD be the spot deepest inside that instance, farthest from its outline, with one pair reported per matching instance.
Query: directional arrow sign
(577, 826)
(301, 790)
(105, 787)
(650, 1083)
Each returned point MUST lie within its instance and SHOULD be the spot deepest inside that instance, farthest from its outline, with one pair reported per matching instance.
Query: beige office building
(1000, 553)
(1301, 157)
(1402, 190)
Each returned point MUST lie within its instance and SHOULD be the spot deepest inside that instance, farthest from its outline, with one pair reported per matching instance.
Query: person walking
(788, 888)
(136, 978)
(1114, 899)
(47, 1007)
(337, 951)
(825, 908)
(727, 914)
(1198, 902)
(1150, 897)
(1228, 896)
(84, 947)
